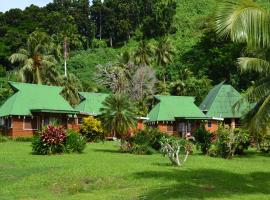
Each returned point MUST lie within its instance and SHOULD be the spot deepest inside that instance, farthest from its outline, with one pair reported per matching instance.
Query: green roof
(29, 98)
(220, 102)
(169, 108)
(91, 103)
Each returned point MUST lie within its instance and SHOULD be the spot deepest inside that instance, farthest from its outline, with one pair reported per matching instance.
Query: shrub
(3, 138)
(230, 142)
(203, 139)
(91, 129)
(75, 142)
(264, 144)
(142, 149)
(50, 141)
(53, 140)
(23, 139)
(243, 141)
(148, 136)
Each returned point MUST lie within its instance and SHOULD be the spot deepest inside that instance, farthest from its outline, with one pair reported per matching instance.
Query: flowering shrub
(91, 129)
(52, 135)
(55, 140)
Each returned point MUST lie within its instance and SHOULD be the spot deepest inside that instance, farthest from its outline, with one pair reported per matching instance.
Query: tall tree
(72, 87)
(164, 55)
(246, 21)
(38, 56)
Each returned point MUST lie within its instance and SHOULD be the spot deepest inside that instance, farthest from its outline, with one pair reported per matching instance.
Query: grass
(103, 173)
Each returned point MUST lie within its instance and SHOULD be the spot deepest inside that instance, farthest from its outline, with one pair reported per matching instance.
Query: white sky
(5, 5)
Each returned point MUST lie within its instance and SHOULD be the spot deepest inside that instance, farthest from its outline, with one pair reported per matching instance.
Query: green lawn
(103, 173)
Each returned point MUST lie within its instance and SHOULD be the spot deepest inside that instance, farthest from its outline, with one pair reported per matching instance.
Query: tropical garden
(134, 50)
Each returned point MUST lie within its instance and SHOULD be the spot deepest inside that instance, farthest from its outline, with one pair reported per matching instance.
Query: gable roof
(169, 108)
(29, 98)
(91, 103)
(220, 102)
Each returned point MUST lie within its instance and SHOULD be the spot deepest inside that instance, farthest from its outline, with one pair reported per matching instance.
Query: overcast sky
(5, 5)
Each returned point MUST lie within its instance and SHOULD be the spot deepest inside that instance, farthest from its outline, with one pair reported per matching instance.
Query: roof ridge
(218, 88)
(13, 83)
(158, 109)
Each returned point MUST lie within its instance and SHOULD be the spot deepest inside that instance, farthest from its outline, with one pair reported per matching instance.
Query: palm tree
(118, 115)
(72, 87)
(39, 55)
(143, 56)
(246, 21)
(164, 55)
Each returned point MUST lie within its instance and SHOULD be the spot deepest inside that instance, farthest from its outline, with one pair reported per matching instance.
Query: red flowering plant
(53, 135)
(51, 140)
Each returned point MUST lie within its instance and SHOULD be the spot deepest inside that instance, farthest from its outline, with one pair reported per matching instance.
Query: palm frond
(259, 117)
(244, 21)
(254, 64)
(17, 57)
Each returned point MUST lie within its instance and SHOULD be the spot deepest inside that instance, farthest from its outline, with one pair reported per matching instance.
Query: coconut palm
(144, 54)
(39, 56)
(72, 87)
(246, 21)
(164, 55)
(118, 115)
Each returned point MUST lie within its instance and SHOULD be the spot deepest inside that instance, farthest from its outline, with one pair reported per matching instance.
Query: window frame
(29, 129)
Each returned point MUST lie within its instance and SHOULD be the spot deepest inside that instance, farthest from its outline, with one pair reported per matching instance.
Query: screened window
(30, 123)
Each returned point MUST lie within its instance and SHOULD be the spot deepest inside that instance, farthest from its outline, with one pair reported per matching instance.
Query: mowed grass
(104, 173)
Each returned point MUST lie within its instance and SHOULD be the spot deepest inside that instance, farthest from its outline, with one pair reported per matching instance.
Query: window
(62, 121)
(30, 123)
(8, 122)
(80, 120)
(209, 124)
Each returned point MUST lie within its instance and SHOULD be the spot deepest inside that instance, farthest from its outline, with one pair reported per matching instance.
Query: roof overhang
(54, 111)
(87, 113)
(143, 118)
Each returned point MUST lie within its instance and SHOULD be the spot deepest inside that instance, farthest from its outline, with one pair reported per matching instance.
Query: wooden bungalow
(219, 107)
(175, 115)
(33, 106)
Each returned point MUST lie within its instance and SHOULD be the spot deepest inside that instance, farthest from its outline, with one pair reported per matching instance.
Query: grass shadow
(108, 151)
(204, 183)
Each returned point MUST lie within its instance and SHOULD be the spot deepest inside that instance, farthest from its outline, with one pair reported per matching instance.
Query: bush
(142, 149)
(148, 136)
(92, 130)
(203, 139)
(264, 144)
(230, 142)
(56, 140)
(75, 142)
(50, 141)
(243, 140)
(23, 139)
(3, 138)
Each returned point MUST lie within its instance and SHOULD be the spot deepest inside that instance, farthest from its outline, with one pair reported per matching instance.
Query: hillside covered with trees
(171, 42)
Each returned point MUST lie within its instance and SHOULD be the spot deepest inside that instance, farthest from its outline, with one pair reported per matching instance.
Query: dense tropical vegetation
(134, 49)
